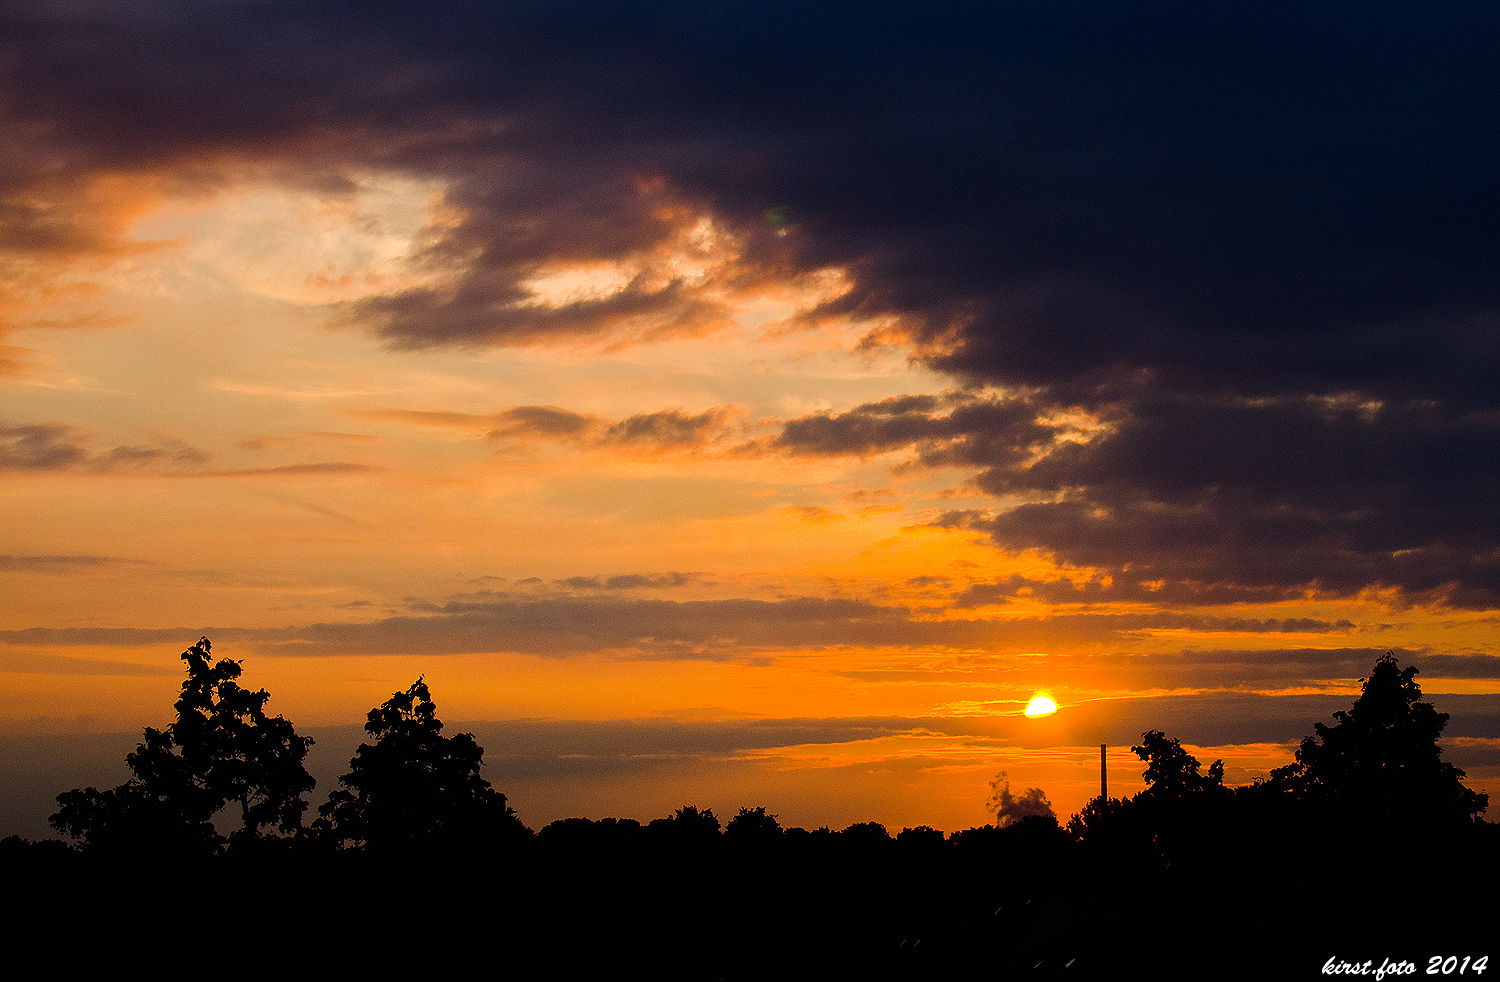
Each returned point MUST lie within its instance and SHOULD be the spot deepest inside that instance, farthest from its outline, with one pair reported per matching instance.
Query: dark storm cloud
(1205, 499)
(1244, 195)
(1237, 499)
(955, 430)
(1200, 222)
(493, 306)
(876, 427)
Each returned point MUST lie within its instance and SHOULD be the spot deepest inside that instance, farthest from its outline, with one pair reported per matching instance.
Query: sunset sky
(755, 405)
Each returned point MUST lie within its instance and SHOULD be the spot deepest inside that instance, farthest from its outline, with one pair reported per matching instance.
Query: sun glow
(1041, 706)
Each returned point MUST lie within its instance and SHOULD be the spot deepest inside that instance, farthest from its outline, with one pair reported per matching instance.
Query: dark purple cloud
(1202, 499)
(1255, 239)
(952, 430)
(1269, 497)
(1247, 196)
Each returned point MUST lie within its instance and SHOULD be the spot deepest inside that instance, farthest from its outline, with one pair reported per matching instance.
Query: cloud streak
(570, 625)
(661, 430)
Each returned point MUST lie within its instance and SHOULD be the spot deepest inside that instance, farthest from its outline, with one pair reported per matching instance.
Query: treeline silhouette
(1368, 844)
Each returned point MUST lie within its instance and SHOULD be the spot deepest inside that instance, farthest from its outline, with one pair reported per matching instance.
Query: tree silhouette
(866, 834)
(752, 827)
(1172, 772)
(1175, 819)
(1098, 818)
(415, 787)
(1381, 758)
(696, 820)
(222, 751)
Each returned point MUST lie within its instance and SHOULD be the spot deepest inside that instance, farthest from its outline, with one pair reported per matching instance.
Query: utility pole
(1103, 775)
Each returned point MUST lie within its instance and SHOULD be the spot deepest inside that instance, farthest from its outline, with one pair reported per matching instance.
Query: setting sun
(1041, 706)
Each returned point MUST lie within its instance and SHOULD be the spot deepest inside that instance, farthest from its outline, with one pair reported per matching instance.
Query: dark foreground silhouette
(1366, 848)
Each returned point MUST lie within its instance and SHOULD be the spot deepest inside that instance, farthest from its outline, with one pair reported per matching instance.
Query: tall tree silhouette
(1181, 806)
(415, 787)
(222, 751)
(1381, 758)
(1172, 772)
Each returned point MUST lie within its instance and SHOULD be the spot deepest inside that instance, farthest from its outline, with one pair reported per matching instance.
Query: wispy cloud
(568, 624)
(66, 565)
(662, 430)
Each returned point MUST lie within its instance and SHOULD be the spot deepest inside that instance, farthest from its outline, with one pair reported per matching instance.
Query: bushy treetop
(223, 751)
